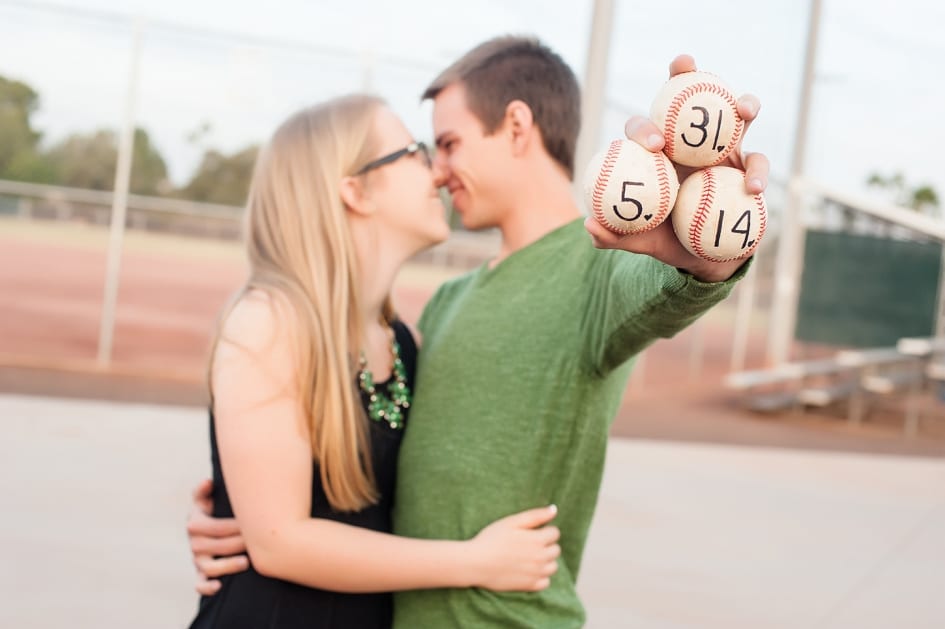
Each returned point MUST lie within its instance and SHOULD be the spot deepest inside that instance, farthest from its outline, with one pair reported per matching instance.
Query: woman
(311, 364)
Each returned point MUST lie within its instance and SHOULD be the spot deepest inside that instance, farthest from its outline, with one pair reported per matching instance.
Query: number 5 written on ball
(627, 199)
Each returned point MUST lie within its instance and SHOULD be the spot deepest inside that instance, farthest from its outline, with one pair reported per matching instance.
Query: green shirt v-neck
(522, 370)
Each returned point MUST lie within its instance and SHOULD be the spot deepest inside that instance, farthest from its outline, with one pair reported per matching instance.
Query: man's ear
(520, 124)
(355, 196)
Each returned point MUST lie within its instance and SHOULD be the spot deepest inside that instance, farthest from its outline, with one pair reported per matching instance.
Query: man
(525, 359)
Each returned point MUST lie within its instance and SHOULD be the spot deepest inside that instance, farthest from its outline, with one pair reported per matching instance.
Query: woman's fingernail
(653, 141)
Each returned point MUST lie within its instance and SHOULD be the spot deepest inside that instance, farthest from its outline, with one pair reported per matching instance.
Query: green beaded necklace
(381, 407)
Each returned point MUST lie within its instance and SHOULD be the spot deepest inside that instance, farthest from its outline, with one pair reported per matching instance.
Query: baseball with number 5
(715, 218)
(628, 189)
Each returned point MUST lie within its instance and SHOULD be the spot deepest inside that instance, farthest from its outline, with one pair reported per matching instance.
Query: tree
(925, 197)
(20, 158)
(90, 160)
(922, 198)
(222, 178)
(29, 165)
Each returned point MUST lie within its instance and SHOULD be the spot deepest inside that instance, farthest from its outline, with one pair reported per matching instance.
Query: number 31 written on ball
(702, 126)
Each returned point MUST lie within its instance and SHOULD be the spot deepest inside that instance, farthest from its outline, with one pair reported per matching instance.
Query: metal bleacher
(856, 378)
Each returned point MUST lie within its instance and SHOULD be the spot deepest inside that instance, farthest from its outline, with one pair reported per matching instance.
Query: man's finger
(218, 546)
(224, 565)
(748, 107)
(756, 172)
(595, 229)
(203, 489)
(682, 63)
(207, 587)
(203, 496)
(600, 235)
(200, 524)
(642, 131)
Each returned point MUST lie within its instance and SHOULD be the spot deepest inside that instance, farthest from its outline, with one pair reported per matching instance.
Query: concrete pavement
(94, 497)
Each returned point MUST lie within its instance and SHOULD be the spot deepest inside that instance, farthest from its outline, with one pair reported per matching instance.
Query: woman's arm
(266, 458)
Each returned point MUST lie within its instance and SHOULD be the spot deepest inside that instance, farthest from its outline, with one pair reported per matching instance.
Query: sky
(241, 67)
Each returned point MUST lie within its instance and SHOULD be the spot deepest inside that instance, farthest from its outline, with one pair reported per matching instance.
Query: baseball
(700, 122)
(715, 218)
(629, 189)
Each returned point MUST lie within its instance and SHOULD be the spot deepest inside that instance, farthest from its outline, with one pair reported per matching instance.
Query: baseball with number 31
(698, 115)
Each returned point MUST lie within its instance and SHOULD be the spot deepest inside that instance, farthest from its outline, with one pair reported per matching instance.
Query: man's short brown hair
(510, 68)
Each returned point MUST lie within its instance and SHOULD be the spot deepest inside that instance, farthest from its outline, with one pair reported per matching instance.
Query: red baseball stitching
(672, 117)
(762, 224)
(698, 220)
(662, 180)
(603, 178)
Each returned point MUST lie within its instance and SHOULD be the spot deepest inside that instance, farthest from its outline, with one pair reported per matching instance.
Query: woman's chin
(438, 236)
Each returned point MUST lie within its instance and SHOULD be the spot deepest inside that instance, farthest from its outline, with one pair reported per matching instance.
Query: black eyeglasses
(410, 149)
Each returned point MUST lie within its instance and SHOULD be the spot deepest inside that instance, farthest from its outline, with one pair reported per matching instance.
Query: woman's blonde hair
(301, 254)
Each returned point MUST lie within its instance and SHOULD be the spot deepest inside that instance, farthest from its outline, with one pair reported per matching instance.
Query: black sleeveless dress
(252, 601)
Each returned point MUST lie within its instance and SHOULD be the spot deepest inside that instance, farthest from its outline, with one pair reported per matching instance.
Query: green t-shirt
(522, 370)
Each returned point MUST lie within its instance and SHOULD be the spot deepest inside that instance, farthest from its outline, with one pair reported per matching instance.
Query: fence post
(120, 204)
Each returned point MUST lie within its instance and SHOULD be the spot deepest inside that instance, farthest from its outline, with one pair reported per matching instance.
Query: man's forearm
(712, 272)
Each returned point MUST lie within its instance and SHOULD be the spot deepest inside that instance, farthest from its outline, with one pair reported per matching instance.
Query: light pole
(592, 93)
(791, 241)
(120, 204)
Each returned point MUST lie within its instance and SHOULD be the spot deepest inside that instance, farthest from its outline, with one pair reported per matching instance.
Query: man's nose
(441, 170)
